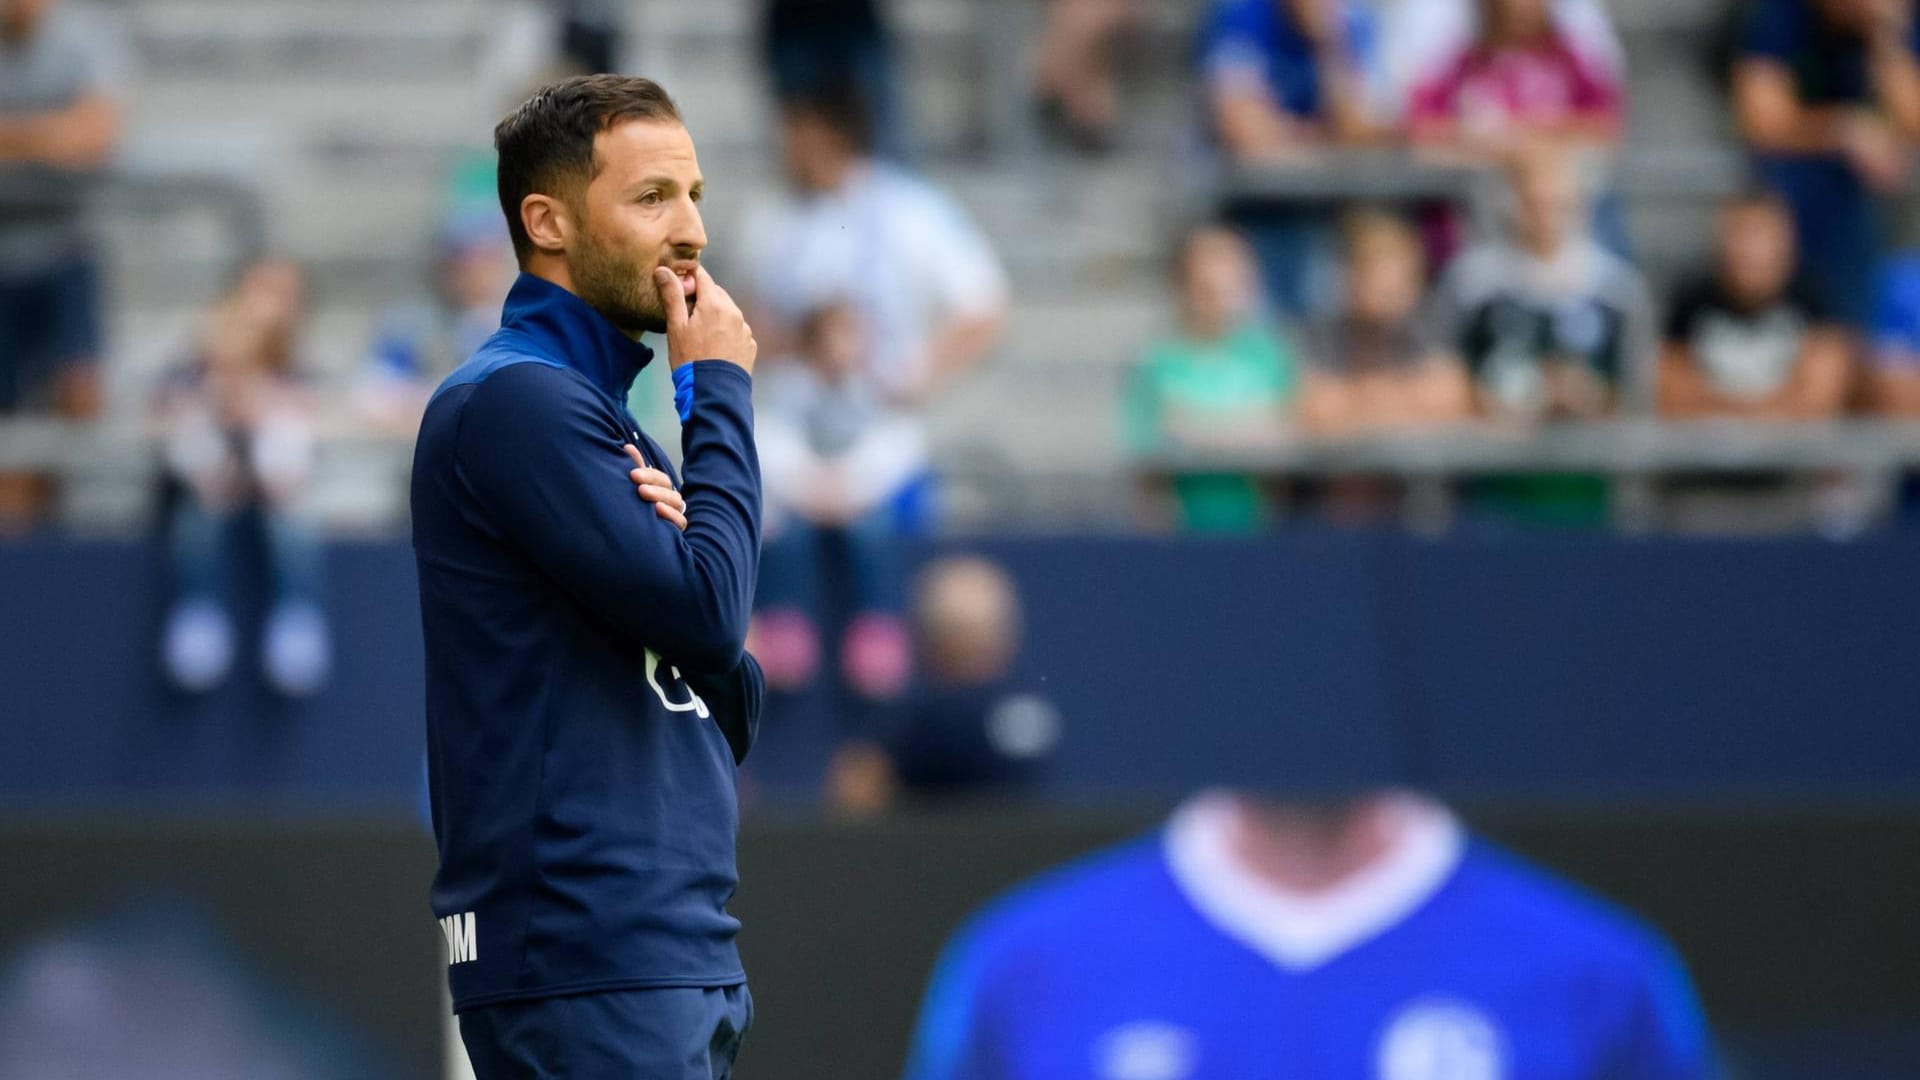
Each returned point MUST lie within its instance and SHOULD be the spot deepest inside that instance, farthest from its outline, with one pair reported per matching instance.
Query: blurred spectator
(1366, 937)
(1378, 365)
(1420, 39)
(929, 291)
(1894, 372)
(1827, 94)
(1282, 78)
(415, 346)
(1073, 83)
(970, 729)
(1224, 379)
(592, 34)
(1747, 339)
(61, 75)
(1282, 75)
(1518, 80)
(238, 437)
(1551, 324)
(833, 458)
(530, 43)
(818, 47)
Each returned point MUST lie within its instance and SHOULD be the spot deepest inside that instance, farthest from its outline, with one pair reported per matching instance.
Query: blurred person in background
(1378, 364)
(1282, 80)
(1748, 338)
(1519, 83)
(971, 729)
(417, 345)
(1892, 370)
(813, 47)
(1284, 76)
(1223, 379)
(1518, 80)
(1366, 936)
(62, 73)
(1552, 326)
(531, 41)
(1827, 95)
(1893, 358)
(237, 431)
(592, 33)
(927, 286)
(1075, 91)
(833, 457)
(1421, 39)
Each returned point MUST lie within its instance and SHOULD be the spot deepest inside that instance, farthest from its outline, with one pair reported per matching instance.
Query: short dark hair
(548, 140)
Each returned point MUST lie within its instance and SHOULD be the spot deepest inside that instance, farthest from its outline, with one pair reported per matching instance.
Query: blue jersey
(1260, 41)
(1112, 970)
(1896, 313)
(588, 697)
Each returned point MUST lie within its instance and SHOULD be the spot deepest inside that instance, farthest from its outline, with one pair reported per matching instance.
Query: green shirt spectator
(1231, 391)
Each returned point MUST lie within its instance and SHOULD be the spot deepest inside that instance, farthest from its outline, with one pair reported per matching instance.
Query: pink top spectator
(1488, 91)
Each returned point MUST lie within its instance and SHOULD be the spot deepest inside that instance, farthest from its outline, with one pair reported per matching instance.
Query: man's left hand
(654, 486)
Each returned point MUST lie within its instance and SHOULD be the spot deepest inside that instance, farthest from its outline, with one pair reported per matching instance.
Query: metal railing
(1634, 453)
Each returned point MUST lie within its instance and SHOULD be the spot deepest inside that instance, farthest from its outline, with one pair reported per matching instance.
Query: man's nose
(689, 231)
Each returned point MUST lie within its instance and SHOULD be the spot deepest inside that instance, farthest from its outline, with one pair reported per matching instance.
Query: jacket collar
(574, 334)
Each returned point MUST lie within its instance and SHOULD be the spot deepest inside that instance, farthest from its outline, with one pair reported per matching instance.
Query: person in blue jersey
(589, 696)
(1251, 939)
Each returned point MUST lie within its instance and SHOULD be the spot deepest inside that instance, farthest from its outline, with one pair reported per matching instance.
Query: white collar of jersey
(1300, 932)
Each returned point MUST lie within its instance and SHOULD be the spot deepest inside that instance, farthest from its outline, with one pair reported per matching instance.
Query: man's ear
(548, 223)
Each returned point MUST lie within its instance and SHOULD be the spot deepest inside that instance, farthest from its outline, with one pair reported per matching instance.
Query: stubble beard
(618, 288)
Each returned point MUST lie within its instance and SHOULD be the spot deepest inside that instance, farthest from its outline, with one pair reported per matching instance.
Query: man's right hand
(713, 330)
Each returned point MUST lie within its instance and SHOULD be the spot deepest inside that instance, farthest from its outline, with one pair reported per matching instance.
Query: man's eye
(651, 198)
(699, 195)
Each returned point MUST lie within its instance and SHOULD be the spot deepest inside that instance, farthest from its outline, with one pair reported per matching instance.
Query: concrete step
(1088, 329)
(1699, 18)
(244, 41)
(1029, 420)
(302, 107)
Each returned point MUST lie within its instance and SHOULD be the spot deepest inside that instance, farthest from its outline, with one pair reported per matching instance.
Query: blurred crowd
(1293, 321)
(1344, 322)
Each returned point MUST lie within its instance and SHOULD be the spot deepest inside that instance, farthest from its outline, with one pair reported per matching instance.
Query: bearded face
(640, 211)
(618, 283)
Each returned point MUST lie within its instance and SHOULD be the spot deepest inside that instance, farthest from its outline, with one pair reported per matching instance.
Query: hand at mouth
(689, 283)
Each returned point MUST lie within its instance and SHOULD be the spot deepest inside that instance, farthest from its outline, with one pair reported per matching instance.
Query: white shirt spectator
(901, 251)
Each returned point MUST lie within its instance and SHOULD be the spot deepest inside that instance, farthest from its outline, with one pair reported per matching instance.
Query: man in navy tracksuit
(588, 694)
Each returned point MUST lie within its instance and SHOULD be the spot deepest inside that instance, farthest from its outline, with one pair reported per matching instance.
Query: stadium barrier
(316, 932)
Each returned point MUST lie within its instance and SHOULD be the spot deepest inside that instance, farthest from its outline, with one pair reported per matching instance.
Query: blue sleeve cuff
(683, 384)
(683, 391)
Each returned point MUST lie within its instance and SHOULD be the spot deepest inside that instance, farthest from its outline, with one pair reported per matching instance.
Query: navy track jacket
(588, 695)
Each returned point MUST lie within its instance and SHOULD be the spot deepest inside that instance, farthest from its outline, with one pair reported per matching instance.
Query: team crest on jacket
(676, 695)
(1442, 1039)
